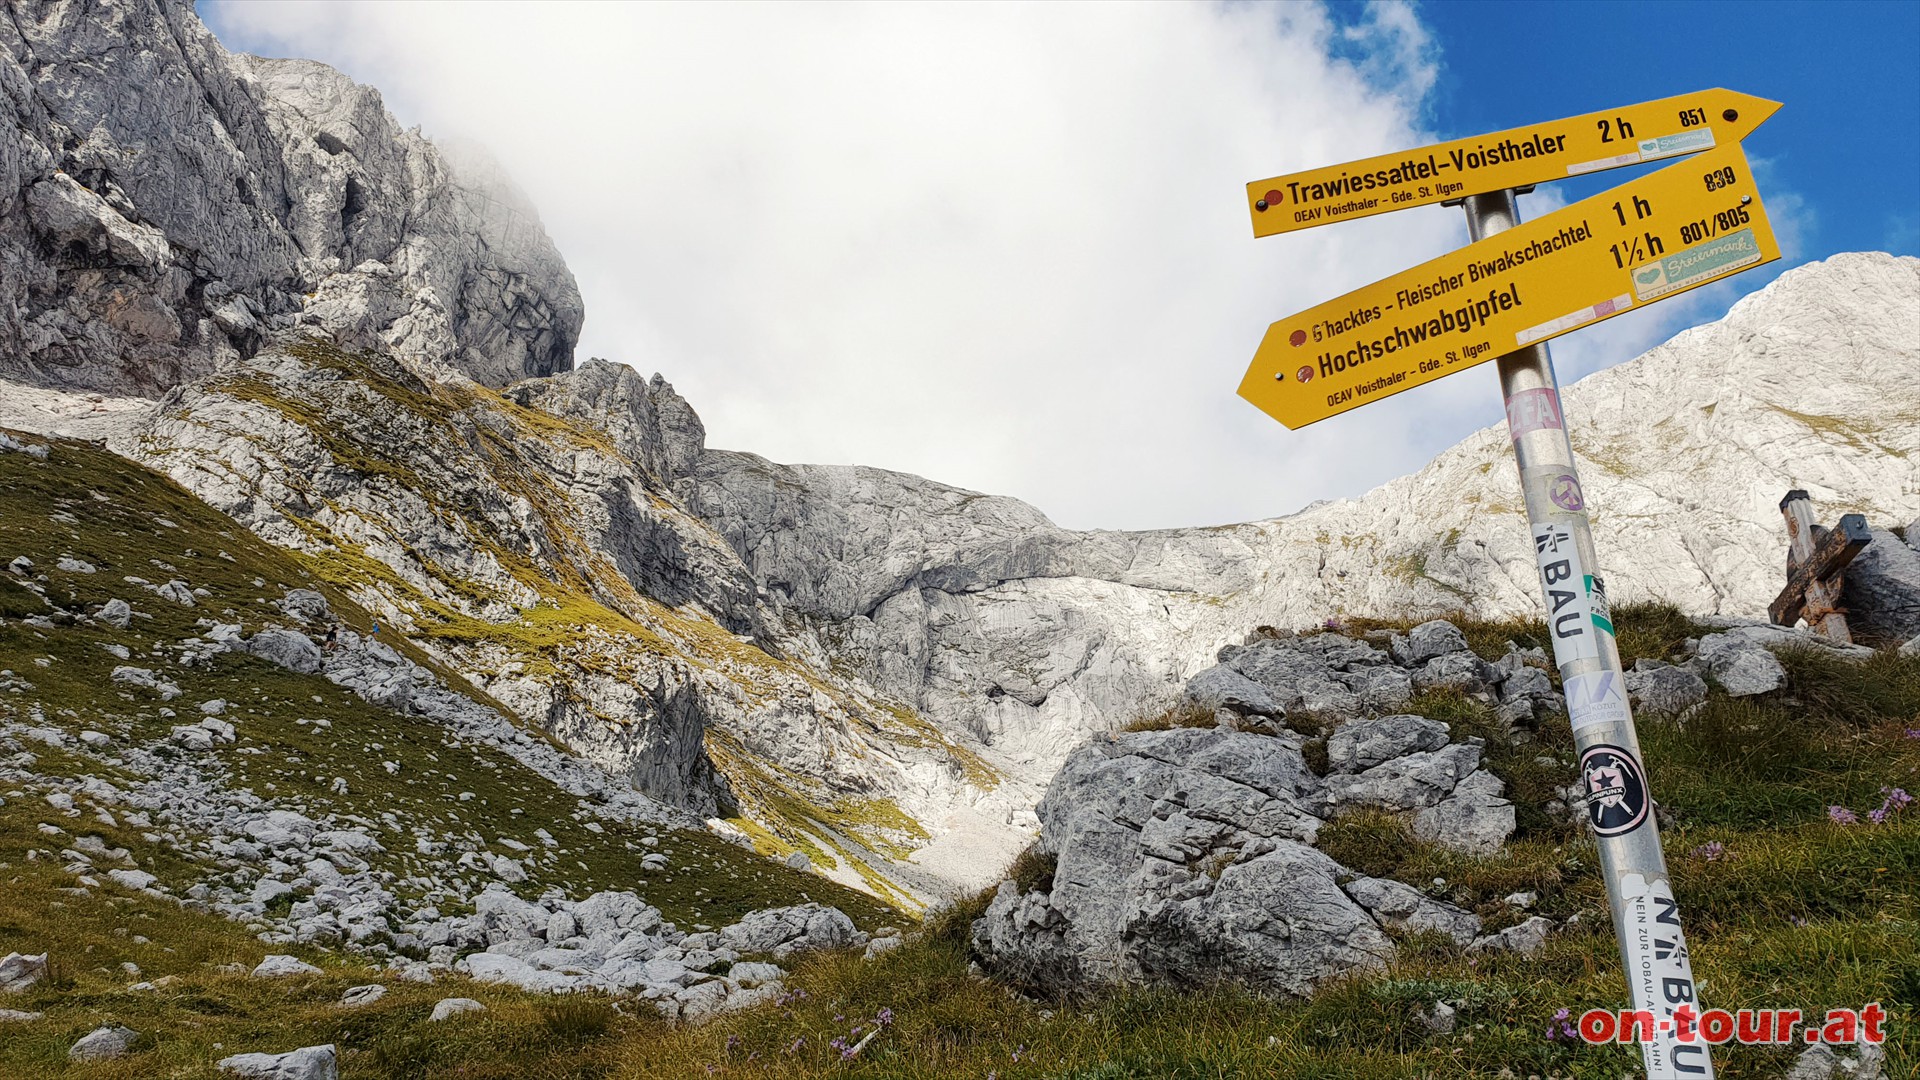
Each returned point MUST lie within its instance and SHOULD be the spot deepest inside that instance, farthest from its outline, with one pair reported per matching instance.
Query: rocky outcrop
(535, 541)
(1185, 856)
(167, 206)
(1882, 594)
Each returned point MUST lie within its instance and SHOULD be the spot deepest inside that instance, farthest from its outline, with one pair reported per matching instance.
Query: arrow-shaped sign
(1527, 155)
(1654, 237)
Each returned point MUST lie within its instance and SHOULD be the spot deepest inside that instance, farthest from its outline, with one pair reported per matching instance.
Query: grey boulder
(1475, 819)
(1882, 594)
(104, 1042)
(1741, 667)
(1663, 688)
(306, 1063)
(288, 649)
(447, 1008)
(1525, 939)
(781, 931)
(1400, 905)
(1362, 744)
(1431, 639)
(1221, 687)
(19, 971)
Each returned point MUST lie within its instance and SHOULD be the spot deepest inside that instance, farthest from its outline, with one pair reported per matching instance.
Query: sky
(1005, 246)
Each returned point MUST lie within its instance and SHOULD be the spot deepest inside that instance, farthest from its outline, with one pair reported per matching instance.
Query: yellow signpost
(1502, 298)
(1676, 229)
(1518, 158)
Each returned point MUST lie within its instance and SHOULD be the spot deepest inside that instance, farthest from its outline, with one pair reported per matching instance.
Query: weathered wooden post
(1817, 559)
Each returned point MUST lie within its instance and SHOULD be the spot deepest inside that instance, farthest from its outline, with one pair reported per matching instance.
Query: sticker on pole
(1564, 580)
(1597, 697)
(1616, 790)
(1660, 976)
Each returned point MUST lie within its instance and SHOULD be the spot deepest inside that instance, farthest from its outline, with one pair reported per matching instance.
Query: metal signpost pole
(1612, 777)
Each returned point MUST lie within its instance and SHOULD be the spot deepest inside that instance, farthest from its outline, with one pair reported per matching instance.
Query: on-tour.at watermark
(1716, 1027)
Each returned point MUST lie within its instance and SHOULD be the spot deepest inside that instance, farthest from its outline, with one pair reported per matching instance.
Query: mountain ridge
(323, 326)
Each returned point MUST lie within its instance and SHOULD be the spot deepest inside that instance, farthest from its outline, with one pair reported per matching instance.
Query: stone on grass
(19, 1016)
(1426, 641)
(306, 1063)
(1741, 667)
(1664, 688)
(363, 995)
(1526, 939)
(104, 1042)
(280, 966)
(450, 1007)
(115, 612)
(1474, 820)
(19, 971)
(286, 648)
(133, 879)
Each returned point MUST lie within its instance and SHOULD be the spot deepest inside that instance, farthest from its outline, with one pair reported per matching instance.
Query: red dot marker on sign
(1273, 197)
(1297, 338)
(1305, 374)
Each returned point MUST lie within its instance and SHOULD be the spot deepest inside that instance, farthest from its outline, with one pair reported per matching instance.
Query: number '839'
(1719, 178)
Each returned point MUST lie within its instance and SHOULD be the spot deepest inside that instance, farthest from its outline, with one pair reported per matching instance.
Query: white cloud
(1001, 246)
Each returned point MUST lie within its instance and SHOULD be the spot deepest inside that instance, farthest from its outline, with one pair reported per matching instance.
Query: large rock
(781, 931)
(1663, 688)
(267, 193)
(289, 649)
(104, 1042)
(1741, 667)
(1474, 819)
(1405, 907)
(306, 1063)
(1362, 744)
(19, 971)
(1882, 594)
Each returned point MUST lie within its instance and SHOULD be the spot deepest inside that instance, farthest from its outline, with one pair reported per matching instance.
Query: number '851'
(1719, 178)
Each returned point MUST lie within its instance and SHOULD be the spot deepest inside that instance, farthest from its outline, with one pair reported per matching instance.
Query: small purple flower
(1913, 733)
(1561, 1029)
(1712, 851)
(1797, 920)
(1840, 815)
(733, 1043)
(797, 1044)
(884, 1017)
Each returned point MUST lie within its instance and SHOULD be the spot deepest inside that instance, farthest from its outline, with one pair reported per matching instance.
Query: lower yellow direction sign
(1658, 236)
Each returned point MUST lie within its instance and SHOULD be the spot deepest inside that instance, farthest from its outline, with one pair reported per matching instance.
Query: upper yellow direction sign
(1535, 154)
(1654, 237)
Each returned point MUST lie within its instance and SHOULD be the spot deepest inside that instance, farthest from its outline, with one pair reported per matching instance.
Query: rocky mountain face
(166, 205)
(988, 618)
(358, 344)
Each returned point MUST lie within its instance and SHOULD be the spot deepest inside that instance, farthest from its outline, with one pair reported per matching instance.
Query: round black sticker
(1616, 790)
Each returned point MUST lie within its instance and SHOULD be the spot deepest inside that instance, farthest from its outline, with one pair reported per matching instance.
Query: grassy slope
(1800, 913)
(125, 520)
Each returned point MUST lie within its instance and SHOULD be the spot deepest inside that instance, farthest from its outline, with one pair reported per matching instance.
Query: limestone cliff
(166, 205)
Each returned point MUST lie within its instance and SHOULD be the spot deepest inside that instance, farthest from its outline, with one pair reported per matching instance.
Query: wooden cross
(1817, 559)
